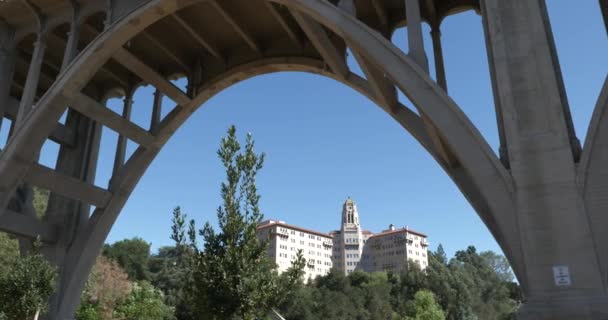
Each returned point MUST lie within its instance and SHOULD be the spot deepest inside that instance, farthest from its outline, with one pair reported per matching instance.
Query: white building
(285, 240)
(347, 249)
(389, 250)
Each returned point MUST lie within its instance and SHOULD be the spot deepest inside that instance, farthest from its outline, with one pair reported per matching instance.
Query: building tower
(348, 242)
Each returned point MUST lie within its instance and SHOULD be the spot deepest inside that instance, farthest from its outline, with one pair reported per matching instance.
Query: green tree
(25, 286)
(424, 307)
(132, 255)
(144, 302)
(487, 288)
(499, 264)
(233, 277)
(172, 272)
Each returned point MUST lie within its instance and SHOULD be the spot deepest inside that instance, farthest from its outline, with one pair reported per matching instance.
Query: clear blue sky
(325, 142)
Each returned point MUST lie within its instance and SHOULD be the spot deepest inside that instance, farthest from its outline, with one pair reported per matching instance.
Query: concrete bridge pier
(564, 277)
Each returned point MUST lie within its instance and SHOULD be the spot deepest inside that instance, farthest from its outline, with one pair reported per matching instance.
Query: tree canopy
(232, 276)
(26, 283)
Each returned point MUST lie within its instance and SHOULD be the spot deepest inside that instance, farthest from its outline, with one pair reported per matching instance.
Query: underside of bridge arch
(148, 42)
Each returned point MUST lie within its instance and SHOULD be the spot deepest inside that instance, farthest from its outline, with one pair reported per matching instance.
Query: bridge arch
(443, 129)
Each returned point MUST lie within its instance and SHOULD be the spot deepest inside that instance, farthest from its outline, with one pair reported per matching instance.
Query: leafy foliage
(424, 307)
(132, 255)
(106, 287)
(144, 302)
(468, 287)
(171, 272)
(110, 295)
(25, 286)
(233, 277)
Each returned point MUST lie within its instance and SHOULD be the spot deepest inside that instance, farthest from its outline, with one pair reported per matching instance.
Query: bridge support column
(121, 147)
(71, 216)
(33, 76)
(7, 65)
(156, 110)
(438, 56)
(414, 34)
(562, 275)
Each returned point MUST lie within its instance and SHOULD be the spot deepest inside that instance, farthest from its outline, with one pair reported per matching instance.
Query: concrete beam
(194, 34)
(60, 134)
(448, 157)
(168, 52)
(319, 38)
(242, 31)
(100, 113)
(88, 28)
(150, 76)
(283, 22)
(67, 186)
(382, 14)
(26, 226)
(383, 88)
(348, 6)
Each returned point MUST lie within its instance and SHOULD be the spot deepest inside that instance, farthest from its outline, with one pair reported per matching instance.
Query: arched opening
(378, 154)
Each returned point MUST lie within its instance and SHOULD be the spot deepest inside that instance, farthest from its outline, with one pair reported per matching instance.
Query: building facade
(285, 240)
(389, 250)
(348, 249)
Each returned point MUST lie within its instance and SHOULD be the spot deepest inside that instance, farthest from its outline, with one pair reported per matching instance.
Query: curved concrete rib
(593, 174)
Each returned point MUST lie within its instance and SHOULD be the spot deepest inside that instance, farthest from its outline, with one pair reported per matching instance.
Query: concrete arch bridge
(544, 198)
